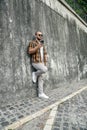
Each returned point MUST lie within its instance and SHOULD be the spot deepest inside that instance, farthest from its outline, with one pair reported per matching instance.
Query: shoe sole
(43, 97)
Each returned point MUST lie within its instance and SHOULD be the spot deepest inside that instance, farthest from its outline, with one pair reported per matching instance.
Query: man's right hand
(39, 45)
(33, 50)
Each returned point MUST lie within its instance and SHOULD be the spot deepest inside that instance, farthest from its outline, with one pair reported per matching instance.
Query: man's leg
(41, 94)
(40, 84)
(41, 68)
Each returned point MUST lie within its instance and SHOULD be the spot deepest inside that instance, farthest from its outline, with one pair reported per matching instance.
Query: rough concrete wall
(65, 41)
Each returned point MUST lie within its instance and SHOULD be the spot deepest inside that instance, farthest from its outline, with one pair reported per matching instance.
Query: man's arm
(32, 49)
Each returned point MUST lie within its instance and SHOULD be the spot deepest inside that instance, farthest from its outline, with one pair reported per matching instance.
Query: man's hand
(39, 45)
(33, 50)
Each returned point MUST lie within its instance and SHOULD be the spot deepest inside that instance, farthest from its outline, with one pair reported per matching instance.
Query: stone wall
(65, 36)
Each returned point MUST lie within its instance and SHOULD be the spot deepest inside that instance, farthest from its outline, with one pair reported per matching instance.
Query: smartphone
(42, 41)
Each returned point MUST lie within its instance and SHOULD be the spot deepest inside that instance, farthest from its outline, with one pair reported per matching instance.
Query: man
(39, 58)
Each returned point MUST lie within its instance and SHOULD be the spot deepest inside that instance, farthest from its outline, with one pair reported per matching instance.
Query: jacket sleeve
(31, 45)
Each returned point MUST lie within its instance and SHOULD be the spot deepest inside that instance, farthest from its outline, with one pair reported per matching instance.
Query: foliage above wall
(80, 6)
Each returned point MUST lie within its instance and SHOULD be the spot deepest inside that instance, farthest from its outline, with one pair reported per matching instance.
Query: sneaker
(43, 96)
(34, 77)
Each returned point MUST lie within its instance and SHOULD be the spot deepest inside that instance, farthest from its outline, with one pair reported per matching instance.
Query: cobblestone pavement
(72, 114)
(15, 111)
(36, 124)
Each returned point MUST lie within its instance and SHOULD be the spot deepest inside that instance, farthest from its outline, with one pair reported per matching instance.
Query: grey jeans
(41, 69)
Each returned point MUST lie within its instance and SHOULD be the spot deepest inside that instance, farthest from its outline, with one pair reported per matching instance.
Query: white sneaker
(34, 77)
(43, 96)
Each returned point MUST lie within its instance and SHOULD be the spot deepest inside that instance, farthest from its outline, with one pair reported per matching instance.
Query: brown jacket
(36, 57)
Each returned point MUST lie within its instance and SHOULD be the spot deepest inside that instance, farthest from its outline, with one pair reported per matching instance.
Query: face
(39, 35)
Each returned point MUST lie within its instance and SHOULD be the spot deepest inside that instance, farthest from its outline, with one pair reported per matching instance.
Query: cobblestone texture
(17, 110)
(72, 114)
(36, 124)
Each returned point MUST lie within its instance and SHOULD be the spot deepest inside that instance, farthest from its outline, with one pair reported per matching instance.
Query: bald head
(39, 35)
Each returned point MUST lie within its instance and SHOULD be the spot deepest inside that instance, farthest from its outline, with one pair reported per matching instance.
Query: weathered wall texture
(65, 37)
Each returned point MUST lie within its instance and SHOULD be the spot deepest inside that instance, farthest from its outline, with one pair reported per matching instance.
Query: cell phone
(42, 41)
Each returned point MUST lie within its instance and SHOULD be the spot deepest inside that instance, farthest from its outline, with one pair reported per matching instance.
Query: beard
(39, 39)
